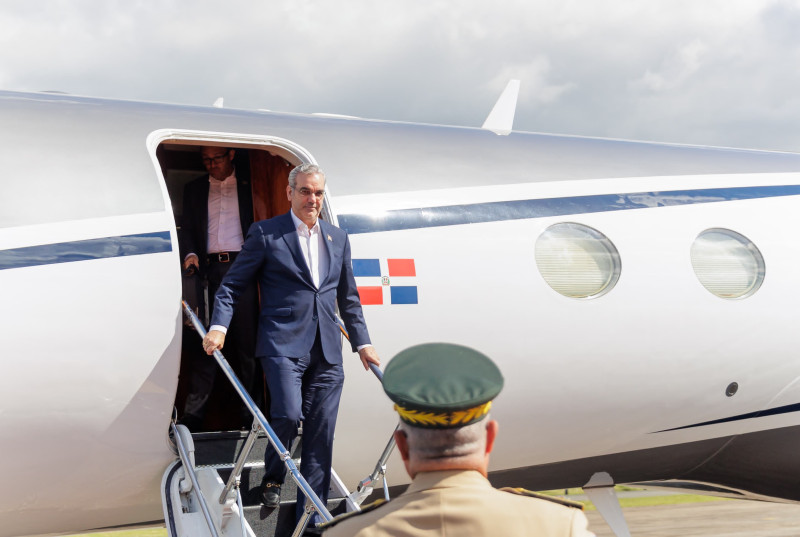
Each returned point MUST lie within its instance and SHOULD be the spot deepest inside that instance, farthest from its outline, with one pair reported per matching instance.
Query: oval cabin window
(577, 261)
(727, 263)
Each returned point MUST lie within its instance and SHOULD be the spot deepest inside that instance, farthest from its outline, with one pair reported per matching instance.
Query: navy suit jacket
(292, 308)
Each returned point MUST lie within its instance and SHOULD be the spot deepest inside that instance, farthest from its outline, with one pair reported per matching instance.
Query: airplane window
(577, 261)
(727, 264)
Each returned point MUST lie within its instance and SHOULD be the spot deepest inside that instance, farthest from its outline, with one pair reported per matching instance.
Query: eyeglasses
(306, 192)
(219, 159)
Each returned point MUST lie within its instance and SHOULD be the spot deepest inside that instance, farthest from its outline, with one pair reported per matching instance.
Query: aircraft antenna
(501, 118)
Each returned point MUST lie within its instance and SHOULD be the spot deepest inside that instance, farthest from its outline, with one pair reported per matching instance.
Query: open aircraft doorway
(262, 170)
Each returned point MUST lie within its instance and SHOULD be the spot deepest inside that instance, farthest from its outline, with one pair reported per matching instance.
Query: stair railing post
(189, 470)
(240, 462)
(303, 523)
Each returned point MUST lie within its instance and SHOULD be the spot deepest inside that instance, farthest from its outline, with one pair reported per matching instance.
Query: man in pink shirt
(217, 212)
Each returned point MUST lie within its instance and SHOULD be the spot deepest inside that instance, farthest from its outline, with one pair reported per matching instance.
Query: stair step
(224, 447)
(220, 450)
(252, 481)
(280, 522)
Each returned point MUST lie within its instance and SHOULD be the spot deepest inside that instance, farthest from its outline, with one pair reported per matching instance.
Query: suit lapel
(328, 239)
(292, 241)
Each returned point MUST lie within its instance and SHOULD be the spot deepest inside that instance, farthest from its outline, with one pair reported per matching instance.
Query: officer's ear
(491, 434)
(401, 440)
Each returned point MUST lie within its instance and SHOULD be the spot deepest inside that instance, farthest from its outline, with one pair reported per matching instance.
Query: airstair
(213, 488)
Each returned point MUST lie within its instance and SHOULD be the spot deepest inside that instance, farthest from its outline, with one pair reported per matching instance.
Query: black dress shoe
(271, 497)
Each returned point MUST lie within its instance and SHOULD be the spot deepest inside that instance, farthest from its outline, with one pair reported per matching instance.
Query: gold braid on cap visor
(449, 419)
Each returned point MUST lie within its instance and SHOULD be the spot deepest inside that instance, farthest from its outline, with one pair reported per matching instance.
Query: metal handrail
(286, 457)
(189, 469)
(375, 369)
(365, 487)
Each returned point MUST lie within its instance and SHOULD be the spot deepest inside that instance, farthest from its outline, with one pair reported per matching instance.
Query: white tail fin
(501, 118)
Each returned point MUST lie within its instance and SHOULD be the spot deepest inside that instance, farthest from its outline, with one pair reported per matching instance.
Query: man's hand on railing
(368, 356)
(213, 341)
(191, 261)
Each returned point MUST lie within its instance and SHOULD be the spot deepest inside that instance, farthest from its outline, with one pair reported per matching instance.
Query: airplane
(640, 298)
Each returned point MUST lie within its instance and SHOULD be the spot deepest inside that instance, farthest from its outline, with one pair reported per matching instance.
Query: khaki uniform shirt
(462, 503)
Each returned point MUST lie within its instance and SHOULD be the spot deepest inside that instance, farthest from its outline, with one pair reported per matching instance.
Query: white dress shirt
(224, 225)
(314, 251)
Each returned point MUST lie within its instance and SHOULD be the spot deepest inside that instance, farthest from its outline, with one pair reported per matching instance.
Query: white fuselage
(92, 330)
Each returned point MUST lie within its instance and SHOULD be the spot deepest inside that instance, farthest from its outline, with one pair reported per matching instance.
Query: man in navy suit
(303, 268)
(217, 212)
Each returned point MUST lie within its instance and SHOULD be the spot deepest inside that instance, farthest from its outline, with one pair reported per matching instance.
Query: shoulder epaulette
(554, 499)
(344, 516)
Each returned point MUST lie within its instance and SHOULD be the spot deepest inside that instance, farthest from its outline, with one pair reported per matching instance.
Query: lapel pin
(329, 238)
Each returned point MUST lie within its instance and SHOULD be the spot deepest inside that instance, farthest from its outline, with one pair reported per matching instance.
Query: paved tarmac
(734, 518)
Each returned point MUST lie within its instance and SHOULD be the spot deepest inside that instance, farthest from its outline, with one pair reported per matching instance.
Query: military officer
(443, 394)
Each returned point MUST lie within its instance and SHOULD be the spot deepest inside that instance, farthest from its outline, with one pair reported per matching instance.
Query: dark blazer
(292, 308)
(194, 224)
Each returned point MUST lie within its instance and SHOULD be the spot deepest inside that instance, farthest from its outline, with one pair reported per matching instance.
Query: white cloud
(712, 72)
(539, 88)
(676, 69)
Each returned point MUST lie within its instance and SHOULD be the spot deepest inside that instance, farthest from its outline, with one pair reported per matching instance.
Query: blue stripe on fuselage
(786, 409)
(497, 211)
(66, 252)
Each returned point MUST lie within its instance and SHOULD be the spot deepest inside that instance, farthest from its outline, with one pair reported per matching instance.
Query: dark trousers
(239, 350)
(304, 389)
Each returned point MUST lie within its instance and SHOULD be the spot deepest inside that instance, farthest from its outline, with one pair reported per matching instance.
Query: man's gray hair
(304, 169)
(441, 444)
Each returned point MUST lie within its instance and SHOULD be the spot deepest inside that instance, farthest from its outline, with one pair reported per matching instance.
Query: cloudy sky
(708, 72)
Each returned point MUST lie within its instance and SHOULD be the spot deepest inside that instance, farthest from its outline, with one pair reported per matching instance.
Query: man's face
(218, 162)
(307, 197)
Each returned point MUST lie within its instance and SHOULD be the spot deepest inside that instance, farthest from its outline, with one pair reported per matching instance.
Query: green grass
(673, 499)
(644, 501)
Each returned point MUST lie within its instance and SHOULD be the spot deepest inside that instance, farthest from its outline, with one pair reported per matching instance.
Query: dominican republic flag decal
(386, 281)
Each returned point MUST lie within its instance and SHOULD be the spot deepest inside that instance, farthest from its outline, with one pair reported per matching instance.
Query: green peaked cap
(441, 385)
